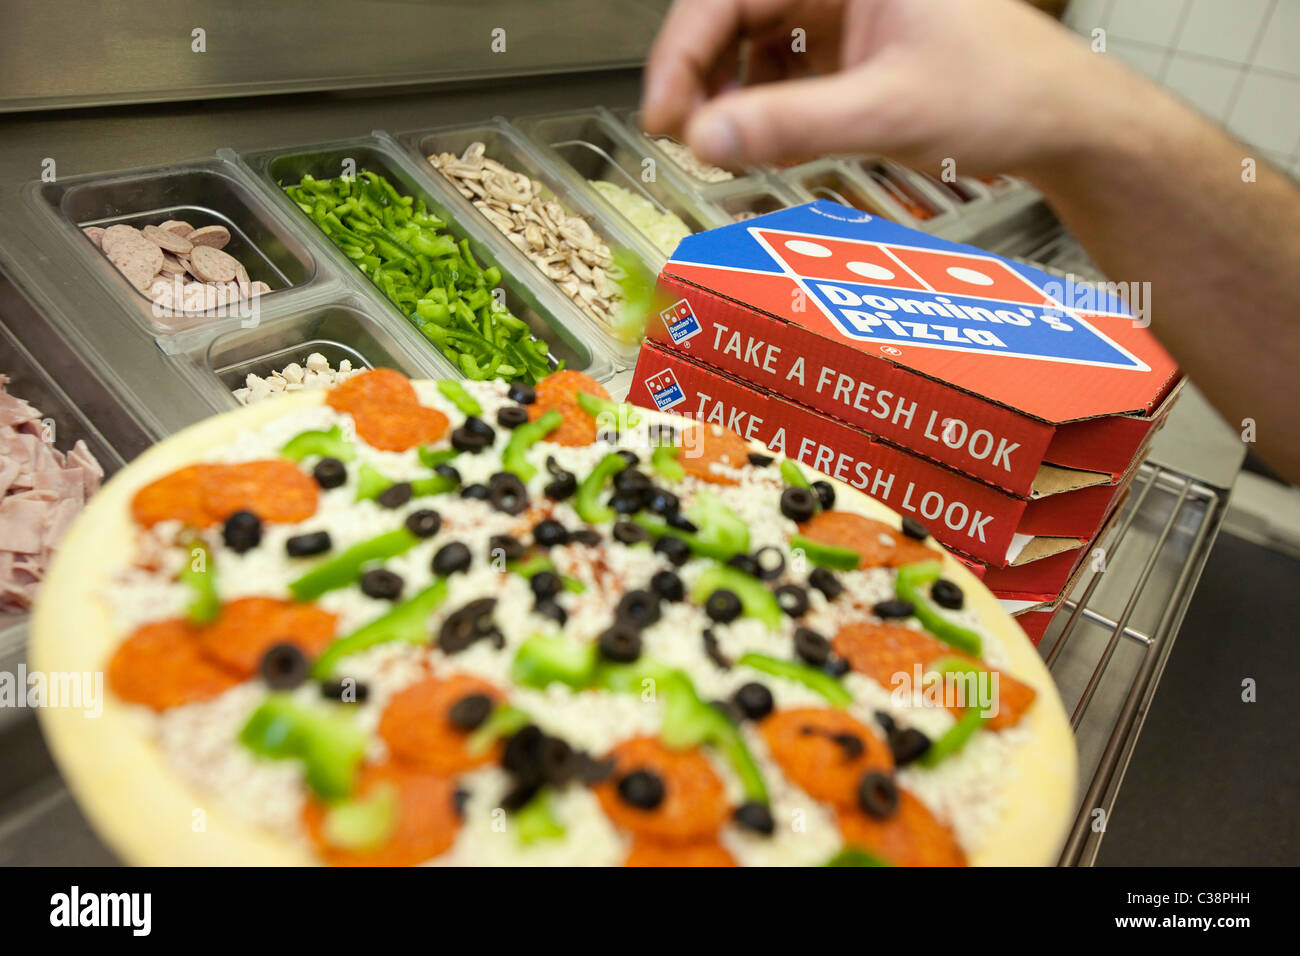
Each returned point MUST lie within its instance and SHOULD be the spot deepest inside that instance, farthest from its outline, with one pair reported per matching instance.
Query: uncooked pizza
(443, 622)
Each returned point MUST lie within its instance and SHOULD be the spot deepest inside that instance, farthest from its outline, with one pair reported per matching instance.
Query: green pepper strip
(855, 856)
(407, 622)
(371, 483)
(956, 736)
(587, 500)
(913, 585)
(810, 677)
(621, 412)
(664, 460)
(362, 823)
(527, 568)
(792, 475)
(431, 458)
(705, 549)
(504, 720)
(718, 524)
(688, 720)
(755, 598)
(525, 437)
(204, 604)
(454, 391)
(345, 568)
(327, 444)
(330, 746)
(541, 661)
(535, 820)
(826, 555)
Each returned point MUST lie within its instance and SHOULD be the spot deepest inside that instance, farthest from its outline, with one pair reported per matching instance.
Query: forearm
(1156, 194)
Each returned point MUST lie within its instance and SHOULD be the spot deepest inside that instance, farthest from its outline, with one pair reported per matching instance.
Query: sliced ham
(42, 490)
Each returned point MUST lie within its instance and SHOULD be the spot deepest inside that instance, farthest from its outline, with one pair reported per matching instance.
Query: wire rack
(1109, 645)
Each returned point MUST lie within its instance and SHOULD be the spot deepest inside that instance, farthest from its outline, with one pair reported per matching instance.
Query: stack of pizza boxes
(1003, 408)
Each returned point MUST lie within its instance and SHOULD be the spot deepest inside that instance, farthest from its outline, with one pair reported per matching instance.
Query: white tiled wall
(1237, 61)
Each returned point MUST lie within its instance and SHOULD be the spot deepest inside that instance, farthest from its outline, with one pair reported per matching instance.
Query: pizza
(463, 623)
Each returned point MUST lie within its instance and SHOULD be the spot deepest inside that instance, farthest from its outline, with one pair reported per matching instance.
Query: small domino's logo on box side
(680, 321)
(664, 389)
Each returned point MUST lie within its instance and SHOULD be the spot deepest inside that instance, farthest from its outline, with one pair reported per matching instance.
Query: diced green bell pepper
(455, 392)
(959, 734)
(541, 661)
(536, 821)
(204, 604)
(371, 483)
(826, 555)
(664, 461)
(363, 823)
(587, 499)
(329, 744)
(792, 474)
(755, 598)
(718, 524)
(408, 622)
(620, 414)
(504, 720)
(345, 568)
(812, 678)
(329, 443)
(525, 437)
(913, 585)
(855, 856)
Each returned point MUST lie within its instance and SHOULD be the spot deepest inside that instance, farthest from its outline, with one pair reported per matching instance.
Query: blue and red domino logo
(937, 298)
(904, 288)
(680, 321)
(664, 389)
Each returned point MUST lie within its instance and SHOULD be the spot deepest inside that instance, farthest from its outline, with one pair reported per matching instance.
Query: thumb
(792, 119)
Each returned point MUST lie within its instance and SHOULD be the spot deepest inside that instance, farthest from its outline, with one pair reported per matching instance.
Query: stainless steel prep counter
(134, 387)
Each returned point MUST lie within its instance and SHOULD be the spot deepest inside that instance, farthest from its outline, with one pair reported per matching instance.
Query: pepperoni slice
(426, 823)
(174, 497)
(203, 495)
(694, 804)
(386, 411)
(910, 837)
(161, 666)
(883, 650)
(248, 627)
(654, 853)
(399, 427)
(417, 726)
(707, 445)
(379, 386)
(878, 543)
(276, 490)
(559, 390)
(825, 752)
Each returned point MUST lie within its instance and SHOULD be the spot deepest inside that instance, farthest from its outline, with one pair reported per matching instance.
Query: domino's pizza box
(989, 366)
(972, 517)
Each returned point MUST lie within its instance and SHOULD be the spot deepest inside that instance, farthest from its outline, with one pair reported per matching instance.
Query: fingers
(787, 120)
(682, 68)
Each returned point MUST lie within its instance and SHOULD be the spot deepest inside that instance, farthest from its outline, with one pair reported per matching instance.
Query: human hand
(993, 83)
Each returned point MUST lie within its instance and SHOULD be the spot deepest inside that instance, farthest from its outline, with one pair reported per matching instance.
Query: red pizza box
(989, 366)
(976, 519)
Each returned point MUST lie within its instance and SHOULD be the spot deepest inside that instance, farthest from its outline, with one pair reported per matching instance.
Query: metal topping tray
(204, 192)
(510, 148)
(347, 329)
(592, 145)
(538, 305)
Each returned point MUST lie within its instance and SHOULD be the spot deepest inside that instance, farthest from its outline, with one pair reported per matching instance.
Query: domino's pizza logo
(664, 390)
(898, 294)
(680, 321)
